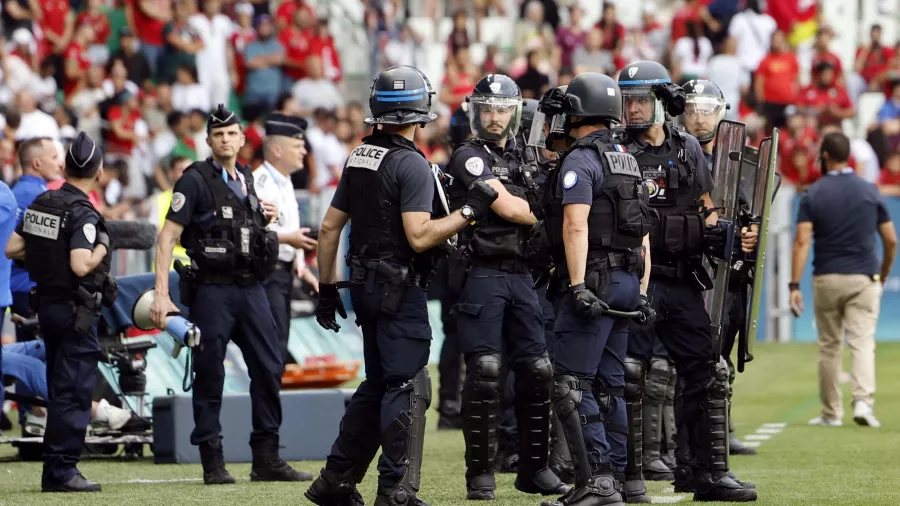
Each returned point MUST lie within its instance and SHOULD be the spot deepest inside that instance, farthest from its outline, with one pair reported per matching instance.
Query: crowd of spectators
(141, 75)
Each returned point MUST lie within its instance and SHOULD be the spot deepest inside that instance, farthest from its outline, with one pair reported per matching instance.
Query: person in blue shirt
(264, 58)
(7, 224)
(39, 160)
(891, 107)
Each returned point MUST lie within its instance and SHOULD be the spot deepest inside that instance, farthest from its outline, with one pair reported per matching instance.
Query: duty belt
(613, 259)
(511, 265)
(369, 273)
(226, 278)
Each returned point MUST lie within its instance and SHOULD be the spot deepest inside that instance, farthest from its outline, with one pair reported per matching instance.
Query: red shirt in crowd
(684, 15)
(787, 13)
(612, 37)
(820, 98)
(285, 12)
(464, 84)
(876, 62)
(148, 30)
(807, 140)
(828, 57)
(53, 19)
(113, 143)
(239, 40)
(324, 47)
(779, 72)
(889, 177)
(99, 21)
(78, 53)
(297, 47)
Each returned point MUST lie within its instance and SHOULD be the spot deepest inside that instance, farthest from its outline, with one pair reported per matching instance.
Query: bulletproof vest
(47, 230)
(619, 216)
(671, 182)
(231, 242)
(494, 237)
(376, 229)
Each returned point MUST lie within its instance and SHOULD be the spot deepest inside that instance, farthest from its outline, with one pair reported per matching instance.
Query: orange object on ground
(319, 372)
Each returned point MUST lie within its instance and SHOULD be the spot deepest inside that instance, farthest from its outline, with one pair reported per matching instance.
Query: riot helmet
(647, 93)
(704, 110)
(400, 95)
(495, 108)
(592, 95)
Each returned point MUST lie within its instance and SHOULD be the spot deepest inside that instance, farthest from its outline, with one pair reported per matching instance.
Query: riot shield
(730, 139)
(760, 207)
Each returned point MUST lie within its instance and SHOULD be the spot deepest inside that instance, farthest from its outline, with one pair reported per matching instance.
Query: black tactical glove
(586, 302)
(553, 102)
(480, 198)
(648, 315)
(715, 239)
(673, 97)
(329, 302)
(103, 238)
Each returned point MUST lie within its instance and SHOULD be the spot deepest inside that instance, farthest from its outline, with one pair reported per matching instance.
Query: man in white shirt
(215, 30)
(35, 122)
(283, 150)
(315, 90)
(752, 28)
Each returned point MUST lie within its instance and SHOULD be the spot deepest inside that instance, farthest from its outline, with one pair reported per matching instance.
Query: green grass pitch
(798, 465)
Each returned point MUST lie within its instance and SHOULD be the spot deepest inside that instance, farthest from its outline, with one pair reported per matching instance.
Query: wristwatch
(467, 212)
(793, 286)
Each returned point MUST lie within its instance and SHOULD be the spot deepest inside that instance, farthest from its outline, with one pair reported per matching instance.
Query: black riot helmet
(647, 94)
(705, 108)
(400, 95)
(496, 99)
(592, 95)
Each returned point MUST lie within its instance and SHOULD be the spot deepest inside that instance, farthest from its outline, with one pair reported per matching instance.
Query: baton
(622, 314)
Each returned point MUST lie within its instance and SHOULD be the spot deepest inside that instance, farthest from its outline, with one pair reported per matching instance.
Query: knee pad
(716, 385)
(534, 374)
(606, 400)
(483, 376)
(634, 379)
(567, 394)
(658, 379)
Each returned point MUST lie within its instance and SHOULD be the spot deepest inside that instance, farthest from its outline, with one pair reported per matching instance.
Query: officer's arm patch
(622, 163)
(570, 179)
(367, 156)
(41, 224)
(90, 232)
(475, 166)
(178, 200)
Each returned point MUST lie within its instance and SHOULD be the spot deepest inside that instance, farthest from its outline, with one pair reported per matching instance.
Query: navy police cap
(283, 124)
(221, 117)
(83, 154)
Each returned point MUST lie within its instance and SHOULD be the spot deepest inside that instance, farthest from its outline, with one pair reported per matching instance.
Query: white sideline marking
(758, 437)
(763, 430)
(657, 499)
(670, 490)
(774, 425)
(752, 444)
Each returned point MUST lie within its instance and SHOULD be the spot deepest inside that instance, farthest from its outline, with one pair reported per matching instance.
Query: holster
(187, 283)
(395, 285)
(458, 265)
(596, 279)
(87, 306)
(109, 292)
(265, 253)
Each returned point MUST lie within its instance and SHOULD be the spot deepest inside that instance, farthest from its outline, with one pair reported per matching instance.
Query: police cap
(84, 157)
(220, 118)
(285, 125)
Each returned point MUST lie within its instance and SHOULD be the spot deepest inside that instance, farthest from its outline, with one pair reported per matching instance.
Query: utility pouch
(187, 283)
(87, 305)
(394, 286)
(109, 292)
(458, 266)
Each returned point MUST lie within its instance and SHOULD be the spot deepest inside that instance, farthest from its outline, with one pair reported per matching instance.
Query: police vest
(235, 241)
(47, 230)
(494, 238)
(619, 217)
(673, 192)
(376, 230)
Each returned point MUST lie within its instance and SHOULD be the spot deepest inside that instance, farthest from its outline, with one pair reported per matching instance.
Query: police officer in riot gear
(498, 309)
(389, 192)
(65, 246)
(217, 217)
(705, 108)
(679, 179)
(598, 223)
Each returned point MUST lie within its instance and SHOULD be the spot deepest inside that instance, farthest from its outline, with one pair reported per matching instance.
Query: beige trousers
(846, 304)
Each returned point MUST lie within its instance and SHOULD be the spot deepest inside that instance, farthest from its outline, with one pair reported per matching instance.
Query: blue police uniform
(7, 225)
(55, 224)
(593, 350)
(25, 191)
(499, 315)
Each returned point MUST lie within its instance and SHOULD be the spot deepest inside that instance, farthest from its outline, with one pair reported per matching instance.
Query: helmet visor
(495, 118)
(641, 107)
(701, 116)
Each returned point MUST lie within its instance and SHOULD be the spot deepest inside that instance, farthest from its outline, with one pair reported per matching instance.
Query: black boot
(542, 482)
(76, 483)
(397, 496)
(735, 446)
(722, 489)
(480, 487)
(449, 416)
(633, 491)
(268, 464)
(333, 489)
(601, 490)
(214, 472)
